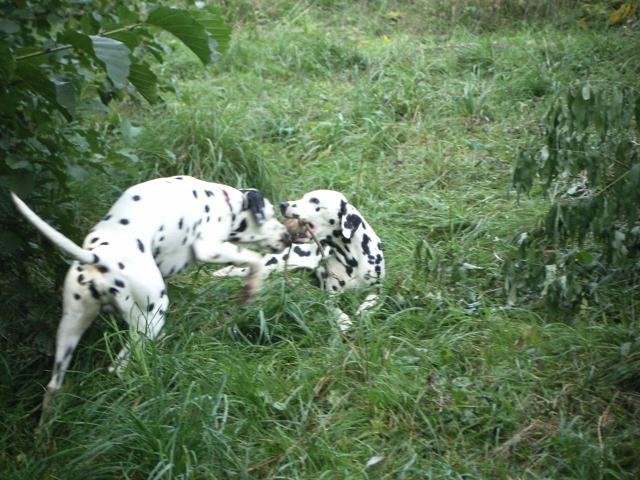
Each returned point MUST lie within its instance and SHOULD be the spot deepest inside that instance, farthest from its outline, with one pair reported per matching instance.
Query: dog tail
(52, 234)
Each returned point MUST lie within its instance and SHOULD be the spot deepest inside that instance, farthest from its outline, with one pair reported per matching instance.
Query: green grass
(419, 129)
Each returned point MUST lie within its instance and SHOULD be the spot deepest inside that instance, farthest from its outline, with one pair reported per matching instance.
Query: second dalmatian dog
(352, 250)
(154, 230)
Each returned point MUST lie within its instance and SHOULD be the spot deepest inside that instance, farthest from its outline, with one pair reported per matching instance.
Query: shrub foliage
(589, 163)
(61, 63)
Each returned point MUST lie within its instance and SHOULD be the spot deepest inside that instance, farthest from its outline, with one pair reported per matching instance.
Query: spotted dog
(154, 230)
(352, 250)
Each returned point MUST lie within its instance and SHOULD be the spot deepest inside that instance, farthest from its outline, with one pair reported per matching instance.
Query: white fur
(154, 230)
(351, 249)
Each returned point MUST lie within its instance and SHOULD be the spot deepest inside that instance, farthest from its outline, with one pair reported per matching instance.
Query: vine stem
(67, 47)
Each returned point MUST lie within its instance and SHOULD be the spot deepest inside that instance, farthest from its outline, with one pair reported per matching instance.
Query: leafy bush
(590, 165)
(62, 62)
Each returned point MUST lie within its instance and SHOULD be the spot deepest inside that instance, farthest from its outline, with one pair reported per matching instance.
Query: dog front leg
(369, 302)
(230, 253)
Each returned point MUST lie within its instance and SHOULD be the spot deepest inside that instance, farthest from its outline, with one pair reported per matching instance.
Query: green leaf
(144, 80)
(213, 22)
(8, 26)
(39, 83)
(584, 257)
(182, 25)
(129, 38)
(113, 54)
(115, 57)
(66, 95)
(129, 132)
(7, 63)
(77, 40)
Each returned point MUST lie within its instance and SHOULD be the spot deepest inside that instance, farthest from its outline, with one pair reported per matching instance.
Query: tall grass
(442, 380)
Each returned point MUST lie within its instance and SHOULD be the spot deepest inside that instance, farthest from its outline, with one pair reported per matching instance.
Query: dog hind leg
(79, 310)
(144, 310)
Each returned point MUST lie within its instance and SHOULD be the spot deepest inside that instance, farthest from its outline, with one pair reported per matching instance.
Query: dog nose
(283, 207)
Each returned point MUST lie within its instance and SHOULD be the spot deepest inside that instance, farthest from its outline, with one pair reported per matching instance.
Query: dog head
(257, 223)
(325, 212)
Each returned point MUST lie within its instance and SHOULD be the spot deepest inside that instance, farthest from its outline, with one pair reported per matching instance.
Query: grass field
(418, 125)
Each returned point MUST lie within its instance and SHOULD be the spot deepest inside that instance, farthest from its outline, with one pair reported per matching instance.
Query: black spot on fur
(140, 245)
(136, 198)
(151, 306)
(352, 222)
(162, 313)
(94, 291)
(178, 178)
(285, 256)
(161, 228)
(108, 217)
(161, 239)
(181, 223)
(104, 243)
(124, 221)
(156, 252)
(243, 226)
(272, 261)
(163, 292)
(114, 290)
(206, 208)
(195, 194)
(184, 240)
(121, 265)
(300, 251)
(378, 259)
(208, 193)
(343, 208)
(352, 262)
(94, 240)
(119, 283)
(365, 244)
(76, 296)
(349, 270)
(334, 288)
(81, 279)
(314, 200)
(79, 268)
(208, 219)
(342, 283)
(96, 258)
(102, 269)
(332, 221)
(378, 270)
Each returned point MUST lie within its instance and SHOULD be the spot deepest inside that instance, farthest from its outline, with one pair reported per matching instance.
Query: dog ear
(254, 202)
(351, 219)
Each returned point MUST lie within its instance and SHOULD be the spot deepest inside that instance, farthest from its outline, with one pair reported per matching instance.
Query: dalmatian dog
(154, 230)
(351, 250)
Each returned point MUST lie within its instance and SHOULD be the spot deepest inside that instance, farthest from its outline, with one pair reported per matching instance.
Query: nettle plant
(589, 164)
(61, 63)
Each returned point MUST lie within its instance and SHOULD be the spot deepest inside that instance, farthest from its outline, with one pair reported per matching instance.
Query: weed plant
(418, 127)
